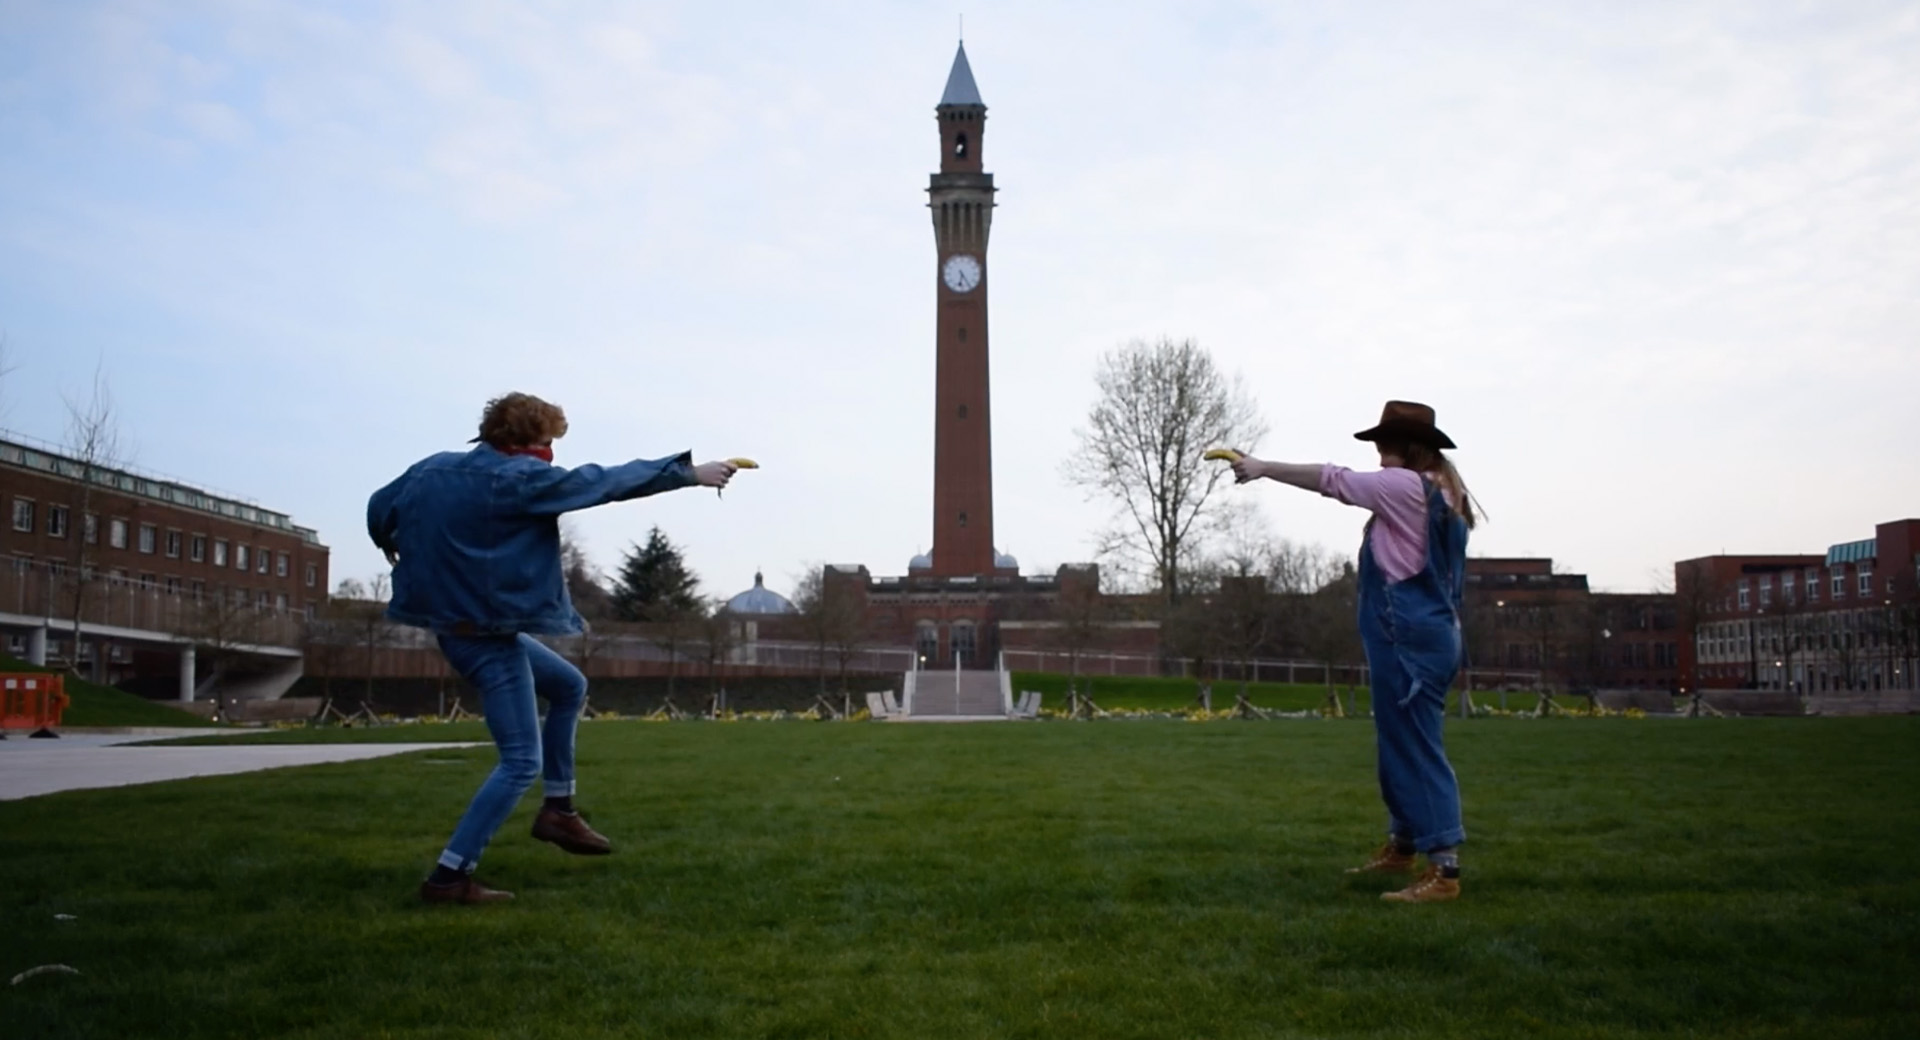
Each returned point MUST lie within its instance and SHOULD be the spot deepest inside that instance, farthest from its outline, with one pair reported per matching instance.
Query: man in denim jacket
(474, 539)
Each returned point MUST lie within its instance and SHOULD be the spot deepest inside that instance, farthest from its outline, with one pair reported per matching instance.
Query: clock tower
(961, 199)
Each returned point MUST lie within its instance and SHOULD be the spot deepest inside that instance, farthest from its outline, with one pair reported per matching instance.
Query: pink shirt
(1398, 501)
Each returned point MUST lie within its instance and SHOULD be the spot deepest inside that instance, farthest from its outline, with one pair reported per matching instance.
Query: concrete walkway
(79, 761)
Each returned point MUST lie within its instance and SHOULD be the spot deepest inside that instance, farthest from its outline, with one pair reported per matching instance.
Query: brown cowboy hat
(1409, 420)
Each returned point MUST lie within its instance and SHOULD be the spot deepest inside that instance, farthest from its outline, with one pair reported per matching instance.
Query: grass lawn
(94, 705)
(1165, 694)
(1655, 878)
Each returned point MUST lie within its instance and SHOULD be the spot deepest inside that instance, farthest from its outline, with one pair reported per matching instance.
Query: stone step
(964, 693)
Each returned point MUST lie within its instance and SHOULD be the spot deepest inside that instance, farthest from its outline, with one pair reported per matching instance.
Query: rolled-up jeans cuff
(558, 788)
(454, 861)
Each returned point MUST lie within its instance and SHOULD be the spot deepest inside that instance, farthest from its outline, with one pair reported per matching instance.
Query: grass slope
(1719, 878)
(1167, 693)
(92, 704)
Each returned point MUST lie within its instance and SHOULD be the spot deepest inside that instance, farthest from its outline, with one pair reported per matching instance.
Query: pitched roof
(960, 89)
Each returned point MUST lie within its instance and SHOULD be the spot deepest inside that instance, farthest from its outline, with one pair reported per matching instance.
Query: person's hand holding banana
(1245, 466)
(716, 474)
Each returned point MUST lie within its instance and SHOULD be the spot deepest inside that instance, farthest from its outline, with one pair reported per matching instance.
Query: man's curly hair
(517, 420)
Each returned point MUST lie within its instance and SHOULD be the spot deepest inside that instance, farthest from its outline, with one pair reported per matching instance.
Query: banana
(743, 464)
(1224, 455)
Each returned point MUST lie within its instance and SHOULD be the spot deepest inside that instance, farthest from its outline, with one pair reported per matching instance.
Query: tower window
(963, 335)
(963, 519)
(960, 146)
(963, 415)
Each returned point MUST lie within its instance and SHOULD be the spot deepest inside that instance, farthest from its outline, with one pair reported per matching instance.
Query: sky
(1656, 265)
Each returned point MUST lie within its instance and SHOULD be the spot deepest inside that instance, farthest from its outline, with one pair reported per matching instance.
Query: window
(1766, 590)
(280, 602)
(57, 521)
(197, 549)
(23, 514)
(263, 561)
(117, 533)
(963, 643)
(1786, 589)
(1744, 604)
(219, 552)
(198, 590)
(261, 600)
(282, 565)
(1839, 582)
(149, 582)
(313, 575)
(1813, 585)
(926, 640)
(173, 585)
(240, 557)
(90, 529)
(149, 535)
(174, 538)
(1866, 582)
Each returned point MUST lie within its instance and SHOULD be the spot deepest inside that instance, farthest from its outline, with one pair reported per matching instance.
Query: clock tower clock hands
(960, 197)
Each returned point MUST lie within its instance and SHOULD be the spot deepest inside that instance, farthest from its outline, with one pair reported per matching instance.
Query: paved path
(83, 760)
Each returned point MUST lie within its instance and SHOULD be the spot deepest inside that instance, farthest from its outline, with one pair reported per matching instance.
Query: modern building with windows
(1844, 620)
(173, 587)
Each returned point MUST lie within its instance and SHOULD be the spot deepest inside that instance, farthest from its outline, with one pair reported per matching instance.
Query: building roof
(1852, 552)
(960, 89)
(759, 600)
(23, 452)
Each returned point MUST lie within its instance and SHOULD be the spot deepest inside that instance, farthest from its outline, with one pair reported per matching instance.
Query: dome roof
(922, 562)
(1006, 560)
(759, 600)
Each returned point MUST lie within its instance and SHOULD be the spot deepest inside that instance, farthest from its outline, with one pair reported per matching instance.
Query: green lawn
(91, 704)
(1654, 878)
(1155, 693)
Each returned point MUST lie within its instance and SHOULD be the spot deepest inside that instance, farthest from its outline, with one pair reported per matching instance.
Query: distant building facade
(155, 566)
(1844, 620)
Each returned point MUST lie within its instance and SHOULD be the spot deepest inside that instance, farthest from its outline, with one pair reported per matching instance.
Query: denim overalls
(1411, 631)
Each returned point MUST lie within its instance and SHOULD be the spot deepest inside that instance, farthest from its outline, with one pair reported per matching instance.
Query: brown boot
(1389, 860)
(468, 890)
(1429, 887)
(570, 832)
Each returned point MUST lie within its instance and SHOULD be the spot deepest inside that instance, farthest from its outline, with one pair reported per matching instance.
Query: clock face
(961, 273)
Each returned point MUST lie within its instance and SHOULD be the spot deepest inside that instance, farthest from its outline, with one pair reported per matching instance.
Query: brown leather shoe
(1388, 860)
(1430, 887)
(468, 890)
(570, 832)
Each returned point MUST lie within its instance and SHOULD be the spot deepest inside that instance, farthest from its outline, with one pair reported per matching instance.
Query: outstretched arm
(551, 490)
(1301, 475)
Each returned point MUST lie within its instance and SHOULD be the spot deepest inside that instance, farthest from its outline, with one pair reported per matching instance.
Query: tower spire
(960, 89)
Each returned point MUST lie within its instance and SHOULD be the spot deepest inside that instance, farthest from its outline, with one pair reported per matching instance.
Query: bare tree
(717, 641)
(93, 442)
(365, 611)
(224, 623)
(1160, 406)
(1080, 613)
(834, 620)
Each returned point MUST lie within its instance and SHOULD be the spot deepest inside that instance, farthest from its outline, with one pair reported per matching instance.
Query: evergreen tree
(655, 583)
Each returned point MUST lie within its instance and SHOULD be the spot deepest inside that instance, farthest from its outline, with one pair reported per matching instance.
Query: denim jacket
(478, 536)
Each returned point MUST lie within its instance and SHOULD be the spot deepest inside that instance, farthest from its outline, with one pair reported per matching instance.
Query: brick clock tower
(961, 199)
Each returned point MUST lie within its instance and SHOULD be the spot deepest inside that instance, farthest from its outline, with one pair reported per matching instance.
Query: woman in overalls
(1411, 578)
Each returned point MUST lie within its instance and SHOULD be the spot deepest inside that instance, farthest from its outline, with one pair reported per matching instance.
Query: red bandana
(543, 452)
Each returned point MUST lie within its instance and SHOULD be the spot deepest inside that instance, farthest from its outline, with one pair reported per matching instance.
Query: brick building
(166, 576)
(1847, 619)
(1524, 618)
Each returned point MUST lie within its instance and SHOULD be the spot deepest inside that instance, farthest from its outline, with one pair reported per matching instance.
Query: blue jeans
(509, 671)
(1416, 780)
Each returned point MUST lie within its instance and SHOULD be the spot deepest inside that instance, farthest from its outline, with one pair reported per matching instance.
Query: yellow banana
(1224, 455)
(743, 464)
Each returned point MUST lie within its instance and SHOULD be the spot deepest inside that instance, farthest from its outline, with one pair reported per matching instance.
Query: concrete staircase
(964, 694)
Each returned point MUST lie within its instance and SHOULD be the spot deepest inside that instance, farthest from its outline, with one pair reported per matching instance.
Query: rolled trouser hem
(454, 861)
(559, 788)
(1442, 840)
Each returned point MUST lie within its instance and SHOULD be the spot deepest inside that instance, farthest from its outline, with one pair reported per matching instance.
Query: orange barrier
(31, 700)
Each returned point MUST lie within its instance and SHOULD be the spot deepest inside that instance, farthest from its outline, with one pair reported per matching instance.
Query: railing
(42, 590)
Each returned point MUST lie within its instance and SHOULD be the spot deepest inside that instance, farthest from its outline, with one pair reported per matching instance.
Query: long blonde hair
(1423, 459)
